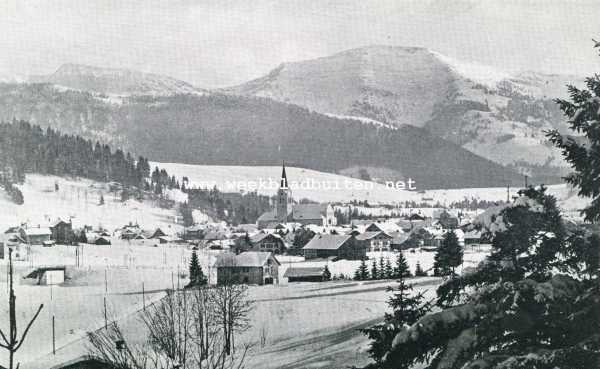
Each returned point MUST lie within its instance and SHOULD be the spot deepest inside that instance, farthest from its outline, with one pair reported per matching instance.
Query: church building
(285, 211)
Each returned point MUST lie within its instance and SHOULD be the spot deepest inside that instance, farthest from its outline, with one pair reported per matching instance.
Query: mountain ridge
(114, 81)
(223, 130)
(472, 105)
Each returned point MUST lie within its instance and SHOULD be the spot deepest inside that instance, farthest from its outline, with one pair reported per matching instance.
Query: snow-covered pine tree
(402, 270)
(419, 272)
(381, 268)
(388, 269)
(407, 307)
(362, 273)
(374, 270)
(527, 305)
(448, 256)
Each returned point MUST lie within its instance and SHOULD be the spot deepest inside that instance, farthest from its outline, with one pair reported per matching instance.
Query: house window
(268, 245)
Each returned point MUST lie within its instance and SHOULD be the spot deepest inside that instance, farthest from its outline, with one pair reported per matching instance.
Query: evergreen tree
(326, 273)
(197, 277)
(381, 268)
(362, 273)
(101, 202)
(449, 255)
(419, 272)
(402, 270)
(530, 304)
(186, 214)
(407, 308)
(82, 237)
(374, 270)
(388, 269)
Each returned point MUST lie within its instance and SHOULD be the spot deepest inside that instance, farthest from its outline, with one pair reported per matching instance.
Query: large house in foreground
(250, 267)
(285, 211)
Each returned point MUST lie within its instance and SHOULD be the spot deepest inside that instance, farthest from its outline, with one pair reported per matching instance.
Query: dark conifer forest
(27, 148)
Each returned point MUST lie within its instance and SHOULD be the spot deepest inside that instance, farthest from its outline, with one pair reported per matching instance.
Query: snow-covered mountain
(492, 113)
(113, 81)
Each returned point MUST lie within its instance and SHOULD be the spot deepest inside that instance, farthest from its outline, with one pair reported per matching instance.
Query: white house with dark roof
(375, 241)
(250, 267)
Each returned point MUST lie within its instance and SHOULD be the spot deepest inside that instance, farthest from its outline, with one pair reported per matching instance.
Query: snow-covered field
(79, 199)
(120, 272)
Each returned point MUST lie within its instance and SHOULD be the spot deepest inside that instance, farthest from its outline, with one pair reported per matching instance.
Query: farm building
(62, 232)
(267, 242)
(250, 267)
(36, 235)
(304, 274)
(48, 275)
(97, 238)
(447, 220)
(472, 238)
(375, 241)
(329, 245)
(195, 232)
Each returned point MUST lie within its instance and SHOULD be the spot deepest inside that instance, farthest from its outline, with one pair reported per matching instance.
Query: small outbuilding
(47, 276)
(304, 274)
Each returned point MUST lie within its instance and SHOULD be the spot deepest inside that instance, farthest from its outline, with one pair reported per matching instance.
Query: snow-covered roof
(261, 236)
(326, 242)
(303, 272)
(370, 235)
(38, 231)
(245, 259)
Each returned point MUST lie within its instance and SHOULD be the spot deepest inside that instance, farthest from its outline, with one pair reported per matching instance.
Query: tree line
(27, 148)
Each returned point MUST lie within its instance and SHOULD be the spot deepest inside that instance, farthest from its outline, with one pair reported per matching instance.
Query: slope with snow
(79, 200)
(116, 81)
(337, 188)
(475, 106)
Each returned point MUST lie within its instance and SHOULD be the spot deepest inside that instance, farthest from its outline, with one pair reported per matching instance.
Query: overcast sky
(213, 43)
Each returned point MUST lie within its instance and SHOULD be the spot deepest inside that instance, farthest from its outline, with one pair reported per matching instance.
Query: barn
(330, 245)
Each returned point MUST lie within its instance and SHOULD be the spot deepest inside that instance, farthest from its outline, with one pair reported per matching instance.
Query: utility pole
(53, 337)
(10, 341)
(105, 315)
(508, 194)
(526, 180)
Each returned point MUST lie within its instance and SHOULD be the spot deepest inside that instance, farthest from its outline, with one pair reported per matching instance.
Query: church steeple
(283, 197)
(284, 181)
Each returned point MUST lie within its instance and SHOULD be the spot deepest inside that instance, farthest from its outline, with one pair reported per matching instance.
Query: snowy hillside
(79, 199)
(226, 178)
(116, 81)
(474, 106)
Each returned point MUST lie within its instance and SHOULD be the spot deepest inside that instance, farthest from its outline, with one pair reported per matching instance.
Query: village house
(338, 246)
(304, 274)
(250, 267)
(447, 220)
(375, 240)
(472, 238)
(195, 232)
(62, 232)
(267, 242)
(35, 235)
